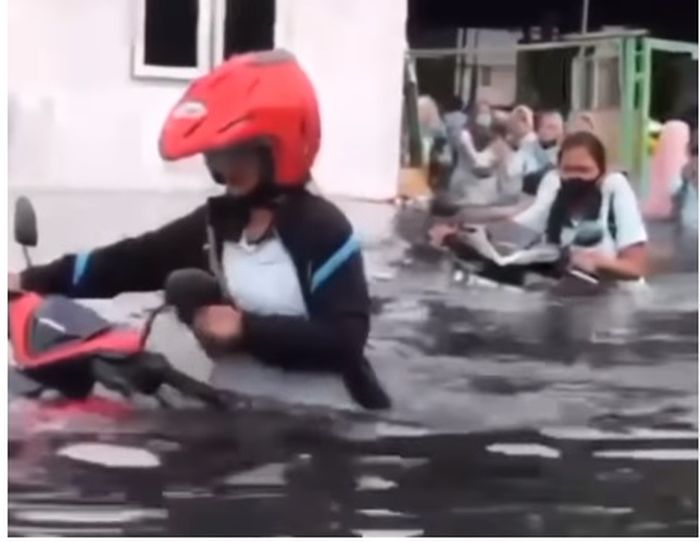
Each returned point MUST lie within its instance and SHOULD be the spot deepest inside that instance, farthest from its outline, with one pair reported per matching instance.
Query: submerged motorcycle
(507, 255)
(67, 348)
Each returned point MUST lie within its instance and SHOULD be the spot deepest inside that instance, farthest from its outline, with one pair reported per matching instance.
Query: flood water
(515, 414)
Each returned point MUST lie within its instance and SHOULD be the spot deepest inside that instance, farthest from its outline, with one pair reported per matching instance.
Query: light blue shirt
(537, 158)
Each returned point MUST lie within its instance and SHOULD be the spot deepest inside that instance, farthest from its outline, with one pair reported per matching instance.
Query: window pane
(249, 26)
(171, 33)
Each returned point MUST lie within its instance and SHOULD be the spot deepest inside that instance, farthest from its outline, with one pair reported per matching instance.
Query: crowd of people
(485, 156)
(549, 176)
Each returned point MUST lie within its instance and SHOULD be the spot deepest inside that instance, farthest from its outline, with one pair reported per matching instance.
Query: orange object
(263, 97)
(413, 183)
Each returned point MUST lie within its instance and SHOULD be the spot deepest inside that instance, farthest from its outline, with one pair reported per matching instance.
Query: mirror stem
(27, 259)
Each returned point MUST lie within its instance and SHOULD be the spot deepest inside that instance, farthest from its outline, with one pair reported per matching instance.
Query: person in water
(521, 127)
(540, 156)
(582, 190)
(436, 151)
(287, 258)
(685, 187)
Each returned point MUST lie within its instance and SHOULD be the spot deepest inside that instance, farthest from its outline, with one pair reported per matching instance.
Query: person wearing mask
(479, 123)
(541, 156)
(582, 190)
(288, 259)
(454, 118)
(483, 114)
(521, 126)
(436, 149)
(483, 166)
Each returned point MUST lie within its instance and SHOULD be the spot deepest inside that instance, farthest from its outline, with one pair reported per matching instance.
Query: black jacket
(317, 236)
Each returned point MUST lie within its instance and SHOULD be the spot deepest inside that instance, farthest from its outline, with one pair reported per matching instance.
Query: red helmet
(263, 97)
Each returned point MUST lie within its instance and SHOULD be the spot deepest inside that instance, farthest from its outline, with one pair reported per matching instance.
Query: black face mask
(548, 144)
(577, 194)
(575, 189)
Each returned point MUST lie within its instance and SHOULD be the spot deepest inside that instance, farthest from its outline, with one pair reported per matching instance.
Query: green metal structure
(632, 51)
(637, 76)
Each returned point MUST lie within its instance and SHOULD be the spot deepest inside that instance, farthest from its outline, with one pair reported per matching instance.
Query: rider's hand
(439, 233)
(218, 325)
(14, 282)
(586, 260)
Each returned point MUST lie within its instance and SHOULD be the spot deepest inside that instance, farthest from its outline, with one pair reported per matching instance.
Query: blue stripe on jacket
(335, 262)
(80, 266)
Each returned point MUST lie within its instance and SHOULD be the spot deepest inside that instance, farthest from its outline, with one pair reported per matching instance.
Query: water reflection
(516, 414)
(293, 480)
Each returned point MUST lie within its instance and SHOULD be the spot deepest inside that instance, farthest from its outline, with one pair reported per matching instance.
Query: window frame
(141, 70)
(219, 31)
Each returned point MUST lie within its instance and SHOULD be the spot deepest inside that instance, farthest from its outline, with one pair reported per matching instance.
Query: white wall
(353, 51)
(79, 120)
(496, 49)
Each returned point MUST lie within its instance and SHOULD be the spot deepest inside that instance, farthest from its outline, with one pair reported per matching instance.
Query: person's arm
(138, 264)
(631, 263)
(536, 215)
(335, 333)
(631, 260)
(509, 169)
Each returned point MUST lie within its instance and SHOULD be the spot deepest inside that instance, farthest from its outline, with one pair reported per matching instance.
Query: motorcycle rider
(582, 190)
(287, 258)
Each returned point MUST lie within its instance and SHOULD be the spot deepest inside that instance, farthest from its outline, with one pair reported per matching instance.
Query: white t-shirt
(262, 278)
(616, 188)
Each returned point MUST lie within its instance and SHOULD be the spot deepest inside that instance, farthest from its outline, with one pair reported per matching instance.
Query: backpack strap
(612, 223)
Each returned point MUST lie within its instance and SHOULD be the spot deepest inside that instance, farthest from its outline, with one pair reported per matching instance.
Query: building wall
(77, 117)
(79, 120)
(501, 89)
(495, 49)
(354, 52)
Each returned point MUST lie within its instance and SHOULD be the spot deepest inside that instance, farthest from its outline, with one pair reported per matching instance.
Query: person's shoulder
(550, 181)
(616, 181)
(196, 219)
(316, 218)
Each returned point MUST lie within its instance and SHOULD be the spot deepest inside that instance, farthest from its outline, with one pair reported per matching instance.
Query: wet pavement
(515, 414)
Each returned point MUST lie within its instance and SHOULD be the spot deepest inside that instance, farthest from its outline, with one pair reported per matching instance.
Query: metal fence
(621, 81)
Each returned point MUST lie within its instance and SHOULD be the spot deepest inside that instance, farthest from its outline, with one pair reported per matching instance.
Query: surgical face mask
(483, 119)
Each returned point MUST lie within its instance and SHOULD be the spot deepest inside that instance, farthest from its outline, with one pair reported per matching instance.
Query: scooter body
(67, 347)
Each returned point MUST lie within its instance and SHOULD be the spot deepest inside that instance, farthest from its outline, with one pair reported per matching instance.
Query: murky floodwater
(515, 414)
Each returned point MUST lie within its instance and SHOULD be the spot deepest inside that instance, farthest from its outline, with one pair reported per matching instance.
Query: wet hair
(591, 143)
